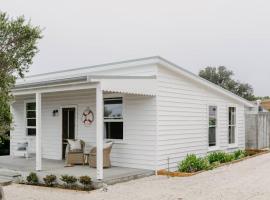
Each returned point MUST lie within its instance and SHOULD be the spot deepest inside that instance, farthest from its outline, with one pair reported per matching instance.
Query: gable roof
(82, 71)
(204, 82)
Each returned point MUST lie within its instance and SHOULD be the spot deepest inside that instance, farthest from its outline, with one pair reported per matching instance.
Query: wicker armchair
(75, 157)
(106, 156)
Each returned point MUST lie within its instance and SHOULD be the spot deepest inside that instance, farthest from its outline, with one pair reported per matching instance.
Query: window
(212, 126)
(30, 108)
(113, 118)
(232, 124)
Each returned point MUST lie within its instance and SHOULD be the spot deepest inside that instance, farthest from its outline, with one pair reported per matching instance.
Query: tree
(223, 77)
(18, 46)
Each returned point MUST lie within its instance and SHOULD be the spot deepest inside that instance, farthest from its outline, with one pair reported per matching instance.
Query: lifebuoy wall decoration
(87, 117)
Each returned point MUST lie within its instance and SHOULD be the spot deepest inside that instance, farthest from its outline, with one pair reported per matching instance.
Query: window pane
(212, 125)
(212, 136)
(114, 130)
(31, 131)
(31, 106)
(232, 116)
(212, 115)
(113, 108)
(31, 122)
(31, 114)
(231, 134)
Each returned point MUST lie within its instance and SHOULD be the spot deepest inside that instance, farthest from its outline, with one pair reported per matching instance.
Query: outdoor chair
(74, 155)
(106, 156)
(22, 149)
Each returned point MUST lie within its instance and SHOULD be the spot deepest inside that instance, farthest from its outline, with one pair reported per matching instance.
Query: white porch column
(99, 131)
(38, 133)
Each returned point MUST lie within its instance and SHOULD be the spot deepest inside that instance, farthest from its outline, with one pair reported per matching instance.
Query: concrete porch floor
(57, 167)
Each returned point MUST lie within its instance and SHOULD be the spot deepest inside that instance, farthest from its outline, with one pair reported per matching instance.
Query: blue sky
(192, 34)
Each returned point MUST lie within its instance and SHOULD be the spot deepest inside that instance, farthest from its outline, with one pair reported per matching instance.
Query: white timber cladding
(169, 122)
(183, 119)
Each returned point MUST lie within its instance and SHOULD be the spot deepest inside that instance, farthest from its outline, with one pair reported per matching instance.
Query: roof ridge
(94, 66)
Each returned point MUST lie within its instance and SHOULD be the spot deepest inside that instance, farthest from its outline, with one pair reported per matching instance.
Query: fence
(258, 131)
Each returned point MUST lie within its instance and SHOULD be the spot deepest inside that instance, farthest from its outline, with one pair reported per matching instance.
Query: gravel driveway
(249, 179)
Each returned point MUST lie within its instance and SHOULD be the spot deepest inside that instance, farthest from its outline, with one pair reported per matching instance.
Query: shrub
(49, 180)
(215, 164)
(192, 163)
(85, 181)
(229, 157)
(220, 157)
(69, 180)
(32, 178)
(216, 157)
(239, 154)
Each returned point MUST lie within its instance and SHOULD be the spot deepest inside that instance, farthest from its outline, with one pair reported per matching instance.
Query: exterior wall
(183, 119)
(137, 150)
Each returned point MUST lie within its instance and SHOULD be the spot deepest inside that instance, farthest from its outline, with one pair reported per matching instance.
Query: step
(9, 174)
(5, 182)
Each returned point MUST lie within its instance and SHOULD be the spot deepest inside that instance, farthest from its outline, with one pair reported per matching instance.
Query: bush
(49, 180)
(69, 180)
(192, 163)
(239, 154)
(220, 157)
(85, 181)
(32, 178)
(229, 157)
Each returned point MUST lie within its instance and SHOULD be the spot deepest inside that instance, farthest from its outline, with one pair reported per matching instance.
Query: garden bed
(250, 153)
(82, 183)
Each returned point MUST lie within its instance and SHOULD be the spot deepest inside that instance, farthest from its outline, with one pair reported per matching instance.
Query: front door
(68, 127)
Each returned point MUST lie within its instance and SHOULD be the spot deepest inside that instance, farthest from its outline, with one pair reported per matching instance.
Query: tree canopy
(224, 78)
(18, 46)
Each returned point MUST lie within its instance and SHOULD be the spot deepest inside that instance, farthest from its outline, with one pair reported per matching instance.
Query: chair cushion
(75, 145)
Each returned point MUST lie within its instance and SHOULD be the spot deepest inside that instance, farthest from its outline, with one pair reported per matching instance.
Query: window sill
(232, 146)
(211, 149)
(116, 141)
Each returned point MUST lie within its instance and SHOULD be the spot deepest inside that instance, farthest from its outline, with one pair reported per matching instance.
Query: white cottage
(151, 108)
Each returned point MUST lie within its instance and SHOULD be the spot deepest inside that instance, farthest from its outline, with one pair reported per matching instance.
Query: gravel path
(249, 179)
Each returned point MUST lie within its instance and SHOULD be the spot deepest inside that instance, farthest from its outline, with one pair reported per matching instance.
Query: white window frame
(25, 117)
(216, 147)
(112, 96)
(216, 126)
(235, 144)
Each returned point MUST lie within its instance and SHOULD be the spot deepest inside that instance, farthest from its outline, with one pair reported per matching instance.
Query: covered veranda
(141, 85)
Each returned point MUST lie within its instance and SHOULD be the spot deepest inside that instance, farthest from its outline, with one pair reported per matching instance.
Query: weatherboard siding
(183, 118)
(170, 125)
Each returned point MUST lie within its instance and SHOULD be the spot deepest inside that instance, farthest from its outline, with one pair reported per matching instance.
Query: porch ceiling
(141, 85)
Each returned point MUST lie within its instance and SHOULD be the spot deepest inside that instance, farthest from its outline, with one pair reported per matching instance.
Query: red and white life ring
(87, 117)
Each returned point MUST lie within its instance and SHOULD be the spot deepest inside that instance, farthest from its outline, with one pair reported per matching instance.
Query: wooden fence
(258, 131)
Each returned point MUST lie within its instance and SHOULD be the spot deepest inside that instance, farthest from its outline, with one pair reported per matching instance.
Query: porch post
(38, 133)
(99, 131)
